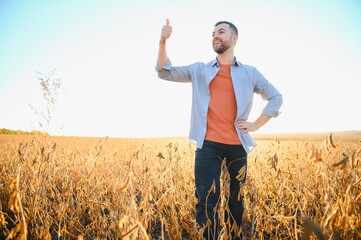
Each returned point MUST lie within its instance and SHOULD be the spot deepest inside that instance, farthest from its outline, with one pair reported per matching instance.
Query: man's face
(223, 38)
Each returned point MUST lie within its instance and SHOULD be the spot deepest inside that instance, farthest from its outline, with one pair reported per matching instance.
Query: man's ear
(234, 39)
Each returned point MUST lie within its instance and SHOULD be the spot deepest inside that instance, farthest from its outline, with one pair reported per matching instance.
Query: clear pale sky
(105, 53)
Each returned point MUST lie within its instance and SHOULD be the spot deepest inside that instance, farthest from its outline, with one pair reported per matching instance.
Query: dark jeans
(208, 161)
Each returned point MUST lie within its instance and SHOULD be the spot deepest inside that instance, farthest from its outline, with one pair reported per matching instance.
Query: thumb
(167, 22)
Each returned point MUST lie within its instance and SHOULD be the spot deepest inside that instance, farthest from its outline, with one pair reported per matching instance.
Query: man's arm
(275, 100)
(162, 53)
(164, 67)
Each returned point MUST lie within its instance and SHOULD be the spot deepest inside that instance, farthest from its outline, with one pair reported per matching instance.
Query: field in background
(297, 186)
(351, 136)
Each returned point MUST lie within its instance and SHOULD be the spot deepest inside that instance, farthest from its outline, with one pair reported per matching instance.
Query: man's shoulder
(246, 66)
(249, 66)
(203, 65)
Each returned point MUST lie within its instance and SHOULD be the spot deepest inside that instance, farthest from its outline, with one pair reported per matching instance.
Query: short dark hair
(231, 25)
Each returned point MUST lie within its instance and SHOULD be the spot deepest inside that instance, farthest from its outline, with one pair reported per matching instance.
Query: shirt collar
(215, 63)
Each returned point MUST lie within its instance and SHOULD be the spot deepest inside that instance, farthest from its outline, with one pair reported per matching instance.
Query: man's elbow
(280, 99)
(273, 107)
(163, 73)
(277, 101)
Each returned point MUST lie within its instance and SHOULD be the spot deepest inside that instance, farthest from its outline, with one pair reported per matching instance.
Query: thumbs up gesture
(166, 31)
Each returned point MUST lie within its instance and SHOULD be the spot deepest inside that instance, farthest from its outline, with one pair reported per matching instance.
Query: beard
(222, 47)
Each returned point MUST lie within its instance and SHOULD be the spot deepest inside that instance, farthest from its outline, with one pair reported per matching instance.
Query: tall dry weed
(84, 188)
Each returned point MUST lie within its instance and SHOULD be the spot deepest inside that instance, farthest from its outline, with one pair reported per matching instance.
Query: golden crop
(92, 188)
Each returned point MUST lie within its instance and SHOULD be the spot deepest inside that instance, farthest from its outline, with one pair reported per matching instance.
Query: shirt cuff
(167, 66)
(271, 112)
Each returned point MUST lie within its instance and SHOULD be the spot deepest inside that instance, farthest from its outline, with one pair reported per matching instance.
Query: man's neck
(225, 58)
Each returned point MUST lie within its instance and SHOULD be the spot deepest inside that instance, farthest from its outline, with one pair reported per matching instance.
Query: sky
(104, 53)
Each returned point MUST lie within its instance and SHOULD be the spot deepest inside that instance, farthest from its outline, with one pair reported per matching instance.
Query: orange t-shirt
(222, 109)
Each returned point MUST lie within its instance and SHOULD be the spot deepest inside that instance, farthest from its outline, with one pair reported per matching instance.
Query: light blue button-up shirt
(246, 80)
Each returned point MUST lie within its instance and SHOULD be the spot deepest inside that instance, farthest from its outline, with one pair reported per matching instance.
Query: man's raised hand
(166, 31)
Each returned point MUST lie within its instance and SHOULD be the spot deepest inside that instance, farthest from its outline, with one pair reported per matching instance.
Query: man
(222, 98)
